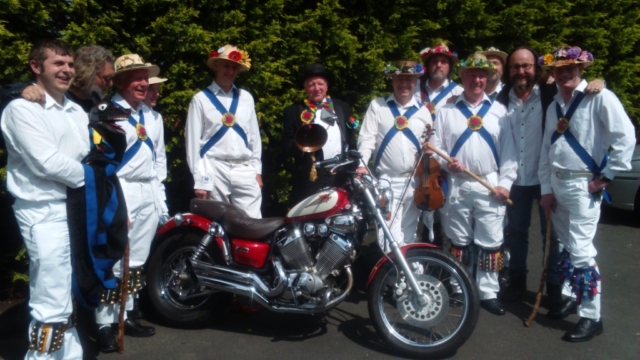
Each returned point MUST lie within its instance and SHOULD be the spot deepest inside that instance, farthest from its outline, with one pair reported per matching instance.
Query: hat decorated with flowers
(495, 52)
(440, 48)
(134, 62)
(566, 55)
(230, 53)
(476, 61)
(404, 67)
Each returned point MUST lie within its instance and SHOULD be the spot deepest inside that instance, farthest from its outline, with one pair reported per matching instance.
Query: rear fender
(404, 250)
(190, 222)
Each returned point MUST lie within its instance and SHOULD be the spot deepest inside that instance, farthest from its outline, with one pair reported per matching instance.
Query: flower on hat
(235, 56)
(585, 56)
(573, 53)
(214, 54)
(221, 50)
(566, 55)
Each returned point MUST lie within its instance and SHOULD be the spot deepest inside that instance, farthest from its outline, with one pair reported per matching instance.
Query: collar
(51, 102)
(118, 99)
(215, 88)
(462, 98)
(442, 87)
(535, 93)
(412, 102)
(558, 97)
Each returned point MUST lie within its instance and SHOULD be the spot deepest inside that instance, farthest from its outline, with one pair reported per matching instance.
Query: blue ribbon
(452, 85)
(482, 131)
(393, 131)
(595, 169)
(133, 150)
(222, 110)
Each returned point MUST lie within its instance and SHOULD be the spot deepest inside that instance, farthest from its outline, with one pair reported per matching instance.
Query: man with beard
(94, 69)
(390, 132)
(330, 113)
(475, 133)
(527, 100)
(142, 167)
(434, 90)
(498, 59)
(45, 145)
(587, 140)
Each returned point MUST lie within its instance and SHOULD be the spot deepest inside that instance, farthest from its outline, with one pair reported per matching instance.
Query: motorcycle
(421, 300)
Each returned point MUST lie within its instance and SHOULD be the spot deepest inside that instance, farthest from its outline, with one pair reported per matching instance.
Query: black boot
(135, 329)
(135, 313)
(554, 296)
(517, 286)
(567, 307)
(106, 340)
(584, 330)
(493, 306)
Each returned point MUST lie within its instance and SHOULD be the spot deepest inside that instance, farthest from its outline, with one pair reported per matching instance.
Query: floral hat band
(438, 49)
(230, 53)
(476, 61)
(131, 62)
(566, 55)
(404, 67)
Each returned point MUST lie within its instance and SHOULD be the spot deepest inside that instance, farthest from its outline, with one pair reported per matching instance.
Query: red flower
(474, 122)
(214, 54)
(400, 122)
(229, 119)
(307, 115)
(143, 131)
(235, 56)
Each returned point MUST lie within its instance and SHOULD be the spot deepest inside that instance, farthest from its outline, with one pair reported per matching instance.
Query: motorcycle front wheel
(434, 329)
(178, 299)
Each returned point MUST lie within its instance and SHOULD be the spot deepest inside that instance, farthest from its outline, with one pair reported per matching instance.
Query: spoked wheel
(418, 329)
(176, 297)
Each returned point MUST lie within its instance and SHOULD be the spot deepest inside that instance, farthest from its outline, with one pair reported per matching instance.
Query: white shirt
(497, 90)
(204, 120)
(598, 123)
(433, 93)
(160, 165)
(399, 155)
(476, 154)
(142, 165)
(333, 146)
(45, 146)
(526, 122)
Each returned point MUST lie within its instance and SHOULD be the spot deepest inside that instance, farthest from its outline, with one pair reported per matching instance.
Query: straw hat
(495, 52)
(134, 62)
(440, 48)
(566, 55)
(230, 53)
(476, 61)
(404, 68)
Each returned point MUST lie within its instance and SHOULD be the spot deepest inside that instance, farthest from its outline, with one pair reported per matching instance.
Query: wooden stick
(474, 176)
(123, 299)
(543, 278)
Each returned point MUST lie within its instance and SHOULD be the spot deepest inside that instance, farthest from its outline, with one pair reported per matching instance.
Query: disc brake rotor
(434, 311)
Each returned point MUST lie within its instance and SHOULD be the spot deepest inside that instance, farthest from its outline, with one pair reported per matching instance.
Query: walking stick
(543, 278)
(474, 176)
(123, 299)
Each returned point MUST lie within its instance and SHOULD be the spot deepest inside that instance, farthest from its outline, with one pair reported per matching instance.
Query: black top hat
(314, 70)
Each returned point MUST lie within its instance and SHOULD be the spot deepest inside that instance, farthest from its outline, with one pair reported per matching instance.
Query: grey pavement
(347, 332)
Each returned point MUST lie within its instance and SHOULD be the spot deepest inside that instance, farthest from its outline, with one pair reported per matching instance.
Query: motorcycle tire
(193, 312)
(432, 331)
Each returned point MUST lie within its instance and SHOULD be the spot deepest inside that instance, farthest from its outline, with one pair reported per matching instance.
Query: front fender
(403, 250)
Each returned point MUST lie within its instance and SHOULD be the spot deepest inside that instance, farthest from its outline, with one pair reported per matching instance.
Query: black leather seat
(239, 225)
(210, 209)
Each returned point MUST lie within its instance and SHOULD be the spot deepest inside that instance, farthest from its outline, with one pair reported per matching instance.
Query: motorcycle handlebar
(352, 155)
(328, 162)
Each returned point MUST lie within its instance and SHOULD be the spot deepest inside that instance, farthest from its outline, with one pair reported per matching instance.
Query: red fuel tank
(318, 206)
(249, 252)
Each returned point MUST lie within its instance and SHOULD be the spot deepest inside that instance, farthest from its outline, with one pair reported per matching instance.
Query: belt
(234, 161)
(566, 175)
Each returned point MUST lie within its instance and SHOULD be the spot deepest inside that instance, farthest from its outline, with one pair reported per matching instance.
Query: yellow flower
(548, 59)
(245, 60)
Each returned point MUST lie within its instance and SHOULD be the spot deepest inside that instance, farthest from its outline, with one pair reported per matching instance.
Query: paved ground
(346, 332)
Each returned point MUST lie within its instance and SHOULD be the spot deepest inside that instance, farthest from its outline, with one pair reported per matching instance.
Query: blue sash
(393, 131)
(575, 145)
(452, 85)
(223, 130)
(482, 131)
(133, 150)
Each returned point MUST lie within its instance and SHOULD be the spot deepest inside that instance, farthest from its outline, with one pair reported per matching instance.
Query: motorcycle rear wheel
(436, 330)
(165, 288)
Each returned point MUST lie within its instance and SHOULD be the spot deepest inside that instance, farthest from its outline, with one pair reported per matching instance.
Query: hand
(452, 99)
(259, 180)
(597, 185)
(549, 204)
(455, 166)
(33, 93)
(202, 194)
(501, 194)
(426, 149)
(594, 86)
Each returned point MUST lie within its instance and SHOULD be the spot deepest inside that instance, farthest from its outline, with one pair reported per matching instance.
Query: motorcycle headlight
(384, 200)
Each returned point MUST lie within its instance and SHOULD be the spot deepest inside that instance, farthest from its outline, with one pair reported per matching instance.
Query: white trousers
(472, 216)
(45, 232)
(405, 223)
(576, 221)
(236, 184)
(144, 218)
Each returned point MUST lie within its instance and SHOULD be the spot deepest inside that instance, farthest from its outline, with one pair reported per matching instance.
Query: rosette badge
(230, 53)
(566, 55)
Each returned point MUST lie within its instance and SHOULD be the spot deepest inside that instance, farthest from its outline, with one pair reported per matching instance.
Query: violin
(428, 194)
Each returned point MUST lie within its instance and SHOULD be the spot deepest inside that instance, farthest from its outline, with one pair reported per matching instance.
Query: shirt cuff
(610, 174)
(505, 183)
(545, 189)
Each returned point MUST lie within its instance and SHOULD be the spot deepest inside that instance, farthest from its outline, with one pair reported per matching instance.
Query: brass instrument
(310, 138)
